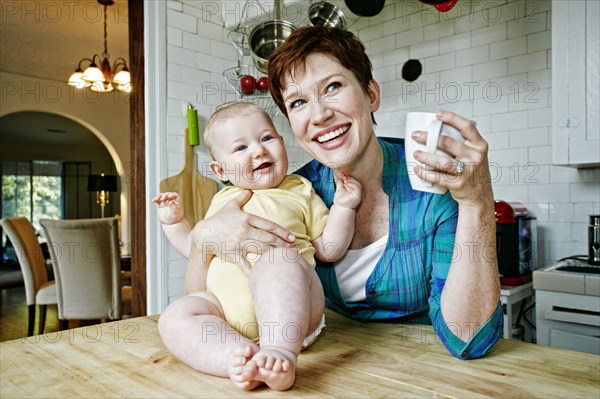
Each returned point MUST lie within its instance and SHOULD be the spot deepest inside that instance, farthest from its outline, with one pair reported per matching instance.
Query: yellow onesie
(295, 206)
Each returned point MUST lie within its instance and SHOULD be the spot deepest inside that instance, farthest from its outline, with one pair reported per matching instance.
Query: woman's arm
(472, 289)
(230, 233)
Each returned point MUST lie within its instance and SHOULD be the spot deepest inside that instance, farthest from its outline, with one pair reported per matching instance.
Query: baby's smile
(264, 165)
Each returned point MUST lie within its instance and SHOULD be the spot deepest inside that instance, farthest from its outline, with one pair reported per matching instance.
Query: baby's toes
(260, 361)
(269, 362)
(281, 365)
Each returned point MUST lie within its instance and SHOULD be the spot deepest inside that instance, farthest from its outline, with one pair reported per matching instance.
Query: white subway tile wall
(488, 60)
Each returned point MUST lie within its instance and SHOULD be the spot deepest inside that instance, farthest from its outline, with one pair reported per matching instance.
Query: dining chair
(86, 262)
(38, 290)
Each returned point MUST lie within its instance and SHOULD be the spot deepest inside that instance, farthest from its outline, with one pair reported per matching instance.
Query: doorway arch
(28, 136)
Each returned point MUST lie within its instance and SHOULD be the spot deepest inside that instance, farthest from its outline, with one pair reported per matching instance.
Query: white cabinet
(576, 82)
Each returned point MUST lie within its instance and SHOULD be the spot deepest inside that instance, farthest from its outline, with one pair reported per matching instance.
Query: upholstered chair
(86, 262)
(38, 290)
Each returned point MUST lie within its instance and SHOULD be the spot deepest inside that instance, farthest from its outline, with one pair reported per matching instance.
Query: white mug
(426, 121)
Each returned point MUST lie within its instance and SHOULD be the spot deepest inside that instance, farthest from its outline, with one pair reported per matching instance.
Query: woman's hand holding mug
(460, 162)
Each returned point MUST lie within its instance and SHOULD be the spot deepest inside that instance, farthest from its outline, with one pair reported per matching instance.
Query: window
(32, 189)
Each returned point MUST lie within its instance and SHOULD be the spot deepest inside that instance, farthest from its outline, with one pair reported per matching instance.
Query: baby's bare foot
(238, 361)
(274, 367)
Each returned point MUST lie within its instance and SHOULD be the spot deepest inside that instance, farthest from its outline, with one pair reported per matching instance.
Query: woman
(413, 254)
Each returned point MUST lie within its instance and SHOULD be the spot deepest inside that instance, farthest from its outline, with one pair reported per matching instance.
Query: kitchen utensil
(192, 117)
(411, 70)
(365, 8)
(267, 36)
(326, 14)
(195, 189)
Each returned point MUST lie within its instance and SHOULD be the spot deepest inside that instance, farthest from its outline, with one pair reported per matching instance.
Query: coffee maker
(516, 242)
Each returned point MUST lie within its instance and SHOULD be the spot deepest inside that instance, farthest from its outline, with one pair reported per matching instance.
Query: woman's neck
(368, 168)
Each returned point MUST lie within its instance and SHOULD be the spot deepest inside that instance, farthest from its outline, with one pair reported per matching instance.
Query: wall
(488, 60)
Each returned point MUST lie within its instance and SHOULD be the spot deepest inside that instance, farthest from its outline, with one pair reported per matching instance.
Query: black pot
(365, 8)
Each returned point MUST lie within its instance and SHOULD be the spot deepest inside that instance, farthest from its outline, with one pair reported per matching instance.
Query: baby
(263, 310)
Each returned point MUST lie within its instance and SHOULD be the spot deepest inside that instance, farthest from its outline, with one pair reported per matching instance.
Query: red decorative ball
(248, 84)
(263, 84)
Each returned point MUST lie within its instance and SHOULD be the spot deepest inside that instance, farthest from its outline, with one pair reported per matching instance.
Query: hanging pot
(441, 5)
(365, 8)
(326, 14)
(265, 38)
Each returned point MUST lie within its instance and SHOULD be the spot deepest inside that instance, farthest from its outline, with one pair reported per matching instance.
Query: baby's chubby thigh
(285, 262)
(287, 271)
(230, 285)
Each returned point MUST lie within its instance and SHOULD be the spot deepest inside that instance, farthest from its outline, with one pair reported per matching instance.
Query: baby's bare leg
(194, 330)
(288, 302)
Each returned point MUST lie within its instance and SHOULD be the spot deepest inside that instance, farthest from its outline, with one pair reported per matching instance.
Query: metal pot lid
(365, 8)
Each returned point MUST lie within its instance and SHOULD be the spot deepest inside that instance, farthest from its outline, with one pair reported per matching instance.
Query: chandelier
(103, 78)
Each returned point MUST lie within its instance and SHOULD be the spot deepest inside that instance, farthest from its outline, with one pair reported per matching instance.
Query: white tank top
(354, 268)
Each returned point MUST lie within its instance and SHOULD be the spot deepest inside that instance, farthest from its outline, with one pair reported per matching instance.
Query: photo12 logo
(54, 92)
(470, 11)
(27, 11)
(453, 92)
(220, 12)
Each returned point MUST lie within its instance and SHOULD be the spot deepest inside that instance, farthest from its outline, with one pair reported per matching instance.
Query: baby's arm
(175, 226)
(339, 230)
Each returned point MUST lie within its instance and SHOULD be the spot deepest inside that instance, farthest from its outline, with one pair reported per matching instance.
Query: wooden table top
(350, 359)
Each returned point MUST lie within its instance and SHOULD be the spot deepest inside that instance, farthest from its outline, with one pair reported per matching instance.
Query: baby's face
(249, 152)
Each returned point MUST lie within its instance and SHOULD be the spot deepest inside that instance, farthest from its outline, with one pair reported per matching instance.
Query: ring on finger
(459, 168)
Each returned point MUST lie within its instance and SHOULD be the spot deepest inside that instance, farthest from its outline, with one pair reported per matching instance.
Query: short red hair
(340, 44)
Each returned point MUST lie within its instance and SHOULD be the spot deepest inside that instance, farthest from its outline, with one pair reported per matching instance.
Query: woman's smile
(332, 133)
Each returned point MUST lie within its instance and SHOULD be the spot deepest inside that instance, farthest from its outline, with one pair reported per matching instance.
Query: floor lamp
(103, 185)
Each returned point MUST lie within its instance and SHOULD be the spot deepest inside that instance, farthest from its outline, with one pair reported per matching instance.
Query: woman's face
(329, 111)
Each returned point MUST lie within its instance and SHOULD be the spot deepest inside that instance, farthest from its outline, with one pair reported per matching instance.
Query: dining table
(349, 359)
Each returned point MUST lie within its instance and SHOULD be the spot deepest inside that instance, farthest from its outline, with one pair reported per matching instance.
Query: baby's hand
(347, 192)
(169, 207)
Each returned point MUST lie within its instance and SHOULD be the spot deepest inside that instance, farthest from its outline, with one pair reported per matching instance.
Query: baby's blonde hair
(225, 113)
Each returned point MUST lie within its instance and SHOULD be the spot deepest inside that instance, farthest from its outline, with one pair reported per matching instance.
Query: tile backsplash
(487, 60)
